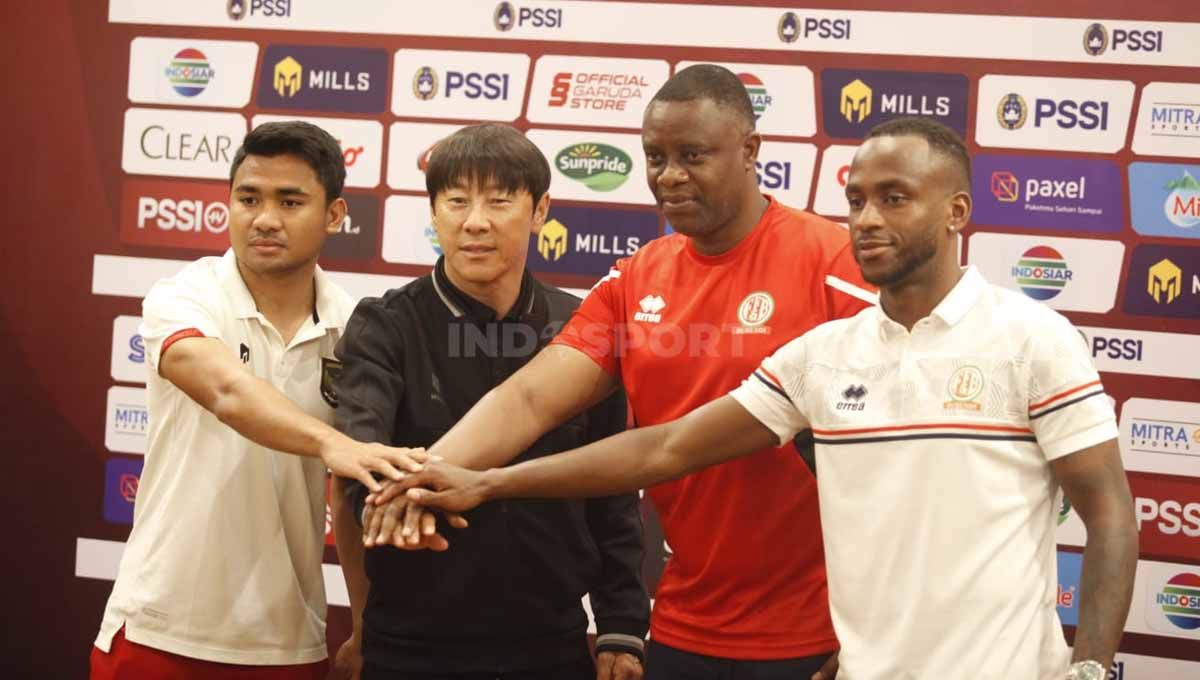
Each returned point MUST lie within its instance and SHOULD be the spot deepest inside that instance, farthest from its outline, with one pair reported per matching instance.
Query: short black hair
(940, 138)
(317, 147)
(708, 81)
(488, 153)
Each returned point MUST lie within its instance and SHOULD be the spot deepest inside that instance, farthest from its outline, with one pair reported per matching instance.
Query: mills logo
(759, 98)
(599, 167)
(856, 101)
(552, 240)
(1164, 281)
(1042, 273)
(189, 72)
(1011, 112)
(1180, 600)
(288, 76)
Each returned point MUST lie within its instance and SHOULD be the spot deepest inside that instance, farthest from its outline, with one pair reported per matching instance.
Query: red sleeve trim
(1062, 395)
(176, 337)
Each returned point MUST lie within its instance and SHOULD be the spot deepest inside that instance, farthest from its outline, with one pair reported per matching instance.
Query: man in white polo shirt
(222, 576)
(945, 420)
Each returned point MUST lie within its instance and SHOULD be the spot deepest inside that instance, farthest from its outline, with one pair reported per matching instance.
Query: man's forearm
(497, 429)
(348, 536)
(1106, 585)
(260, 413)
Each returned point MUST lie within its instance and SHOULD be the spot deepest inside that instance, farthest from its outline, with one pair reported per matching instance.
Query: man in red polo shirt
(678, 324)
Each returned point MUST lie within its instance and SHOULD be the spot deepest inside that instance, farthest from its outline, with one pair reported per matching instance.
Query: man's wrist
(494, 483)
(1087, 669)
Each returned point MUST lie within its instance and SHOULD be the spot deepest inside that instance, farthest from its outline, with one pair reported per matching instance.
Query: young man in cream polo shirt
(945, 421)
(221, 576)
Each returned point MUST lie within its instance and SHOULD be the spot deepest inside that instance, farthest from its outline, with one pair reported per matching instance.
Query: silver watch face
(1086, 670)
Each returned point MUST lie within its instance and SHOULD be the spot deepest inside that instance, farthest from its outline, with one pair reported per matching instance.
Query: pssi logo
(791, 28)
(1066, 114)
(1096, 40)
(240, 9)
(506, 16)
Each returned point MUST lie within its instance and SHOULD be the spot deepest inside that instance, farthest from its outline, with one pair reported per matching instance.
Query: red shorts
(131, 661)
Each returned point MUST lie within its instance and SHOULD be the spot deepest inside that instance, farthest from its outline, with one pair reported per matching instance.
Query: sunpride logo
(598, 166)
(1180, 601)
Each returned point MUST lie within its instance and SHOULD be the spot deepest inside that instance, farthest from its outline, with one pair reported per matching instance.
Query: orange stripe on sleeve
(1060, 395)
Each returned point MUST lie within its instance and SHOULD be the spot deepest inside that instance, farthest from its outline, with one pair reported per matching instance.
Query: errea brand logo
(651, 307)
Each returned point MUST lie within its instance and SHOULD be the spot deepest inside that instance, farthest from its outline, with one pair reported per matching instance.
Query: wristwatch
(1086, 670)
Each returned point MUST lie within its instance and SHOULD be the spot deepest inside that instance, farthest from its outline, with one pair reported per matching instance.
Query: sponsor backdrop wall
(1085, 127)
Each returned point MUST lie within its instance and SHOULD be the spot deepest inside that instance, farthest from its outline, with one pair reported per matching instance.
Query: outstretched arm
(1097, 488)
(716, 432)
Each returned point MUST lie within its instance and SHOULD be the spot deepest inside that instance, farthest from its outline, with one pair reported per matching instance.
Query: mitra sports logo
(1168, 120)
(1161, 436)
(856, 101)
(349, 79)
(1164, 281)
(128, 421)
(1165, 199)
(587, 241)
(1047, 193)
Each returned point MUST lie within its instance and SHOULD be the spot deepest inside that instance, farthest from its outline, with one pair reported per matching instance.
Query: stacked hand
(401, 513)
(357, 460)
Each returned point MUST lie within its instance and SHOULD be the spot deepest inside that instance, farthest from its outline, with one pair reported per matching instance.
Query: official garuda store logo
(599, 167)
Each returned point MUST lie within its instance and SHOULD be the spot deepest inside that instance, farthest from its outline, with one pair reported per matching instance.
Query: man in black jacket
(506, 602)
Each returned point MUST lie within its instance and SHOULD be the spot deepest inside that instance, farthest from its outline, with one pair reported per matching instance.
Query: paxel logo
(506, 16)
(271, 9)
(1096, 40)
(1164, 281)
(121, 477)
(1042, 192)
(855, 101)
(587, 241)
(128, 363)
(791, 27)
(175, 214)
(349, 79)
(183, 143)
(1053, 113)
(1165, 199)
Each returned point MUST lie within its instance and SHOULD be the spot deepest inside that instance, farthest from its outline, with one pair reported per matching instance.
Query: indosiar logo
(552, 240)
(1180, 600)
(289, 76)
(1042, 273)
(189, 72)
(759, 98)
(1011, 112)
(1164, 281)
(856, 101)
(600, 167)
